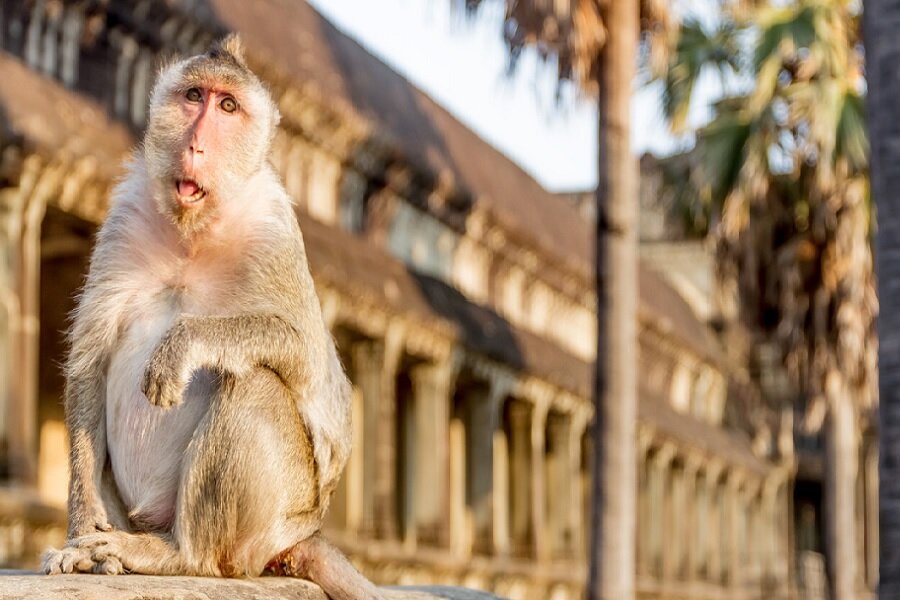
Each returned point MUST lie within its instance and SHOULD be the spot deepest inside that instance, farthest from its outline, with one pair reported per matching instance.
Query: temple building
(461, 295)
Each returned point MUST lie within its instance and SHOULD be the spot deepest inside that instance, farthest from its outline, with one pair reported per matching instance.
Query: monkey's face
(210, 128)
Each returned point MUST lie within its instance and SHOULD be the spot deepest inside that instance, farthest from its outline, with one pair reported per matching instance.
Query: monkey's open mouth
(189, 192)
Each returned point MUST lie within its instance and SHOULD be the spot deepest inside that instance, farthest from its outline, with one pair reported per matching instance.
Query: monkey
(207, 407)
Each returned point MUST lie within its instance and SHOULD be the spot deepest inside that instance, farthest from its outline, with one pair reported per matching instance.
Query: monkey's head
(211, 123)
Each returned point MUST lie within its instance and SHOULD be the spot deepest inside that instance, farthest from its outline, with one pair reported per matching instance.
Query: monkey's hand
(169, 371)
(87, 520)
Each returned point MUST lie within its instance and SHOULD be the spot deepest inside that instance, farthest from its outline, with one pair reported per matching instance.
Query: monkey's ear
(231, 44)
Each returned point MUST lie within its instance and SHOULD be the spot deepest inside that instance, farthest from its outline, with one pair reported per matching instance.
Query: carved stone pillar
(751, 509)
(367, 358)
(643, 521)
(484, 423)
(538, 480)
(386, 476)
(375, 366)
(558, 485)
(661, 528)
(502, 473)
(22, 213)
(769, 535)
(433, 387)
(520, 474)
(691, 545)
(578, 524)
(734, 572)
(713, 550)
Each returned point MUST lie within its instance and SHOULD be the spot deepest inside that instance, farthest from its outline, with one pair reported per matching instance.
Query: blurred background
(443, 156)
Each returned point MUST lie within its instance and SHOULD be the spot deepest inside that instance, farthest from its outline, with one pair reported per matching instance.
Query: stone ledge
(16, 585)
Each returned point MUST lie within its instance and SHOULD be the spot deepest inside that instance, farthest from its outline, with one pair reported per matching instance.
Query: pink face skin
(215, 121)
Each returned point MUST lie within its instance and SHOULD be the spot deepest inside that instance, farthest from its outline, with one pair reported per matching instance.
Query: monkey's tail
(323, 564)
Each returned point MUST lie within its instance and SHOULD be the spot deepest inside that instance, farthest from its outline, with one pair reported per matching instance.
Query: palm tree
(882, 50)
(596, 45)
(784, 165)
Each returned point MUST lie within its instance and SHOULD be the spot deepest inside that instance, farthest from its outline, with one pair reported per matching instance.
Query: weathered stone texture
(15, 585)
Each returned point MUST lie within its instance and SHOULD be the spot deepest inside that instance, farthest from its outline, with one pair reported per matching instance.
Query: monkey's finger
(110, 566)
(102, 525)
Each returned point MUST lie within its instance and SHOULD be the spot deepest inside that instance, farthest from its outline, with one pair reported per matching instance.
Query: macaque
(208, 411)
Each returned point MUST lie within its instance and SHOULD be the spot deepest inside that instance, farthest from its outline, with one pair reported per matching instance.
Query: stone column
(367, 358)
(386, 477)
(558, 485)
(501, 502)
(22, 213)
(484, 421)
(734, 573)
(460, 538)
(538, 483)
(752, 563)
(127, 52)
(663, 528)
(643, 522)
(500, 463)
(433, 388)
(691, 509)
(578, 523)
(771, 569)
(713, 550)
(375, 364)
(521, 472)
(678, 525)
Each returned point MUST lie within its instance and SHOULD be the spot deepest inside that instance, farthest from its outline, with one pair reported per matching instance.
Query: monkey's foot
(92, 553)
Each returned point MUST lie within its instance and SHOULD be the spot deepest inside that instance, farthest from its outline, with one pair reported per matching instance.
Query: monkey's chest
(146, 443)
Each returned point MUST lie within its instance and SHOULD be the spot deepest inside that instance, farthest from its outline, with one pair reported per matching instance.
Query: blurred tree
(783, 165)
(882, 53)
(595, 44)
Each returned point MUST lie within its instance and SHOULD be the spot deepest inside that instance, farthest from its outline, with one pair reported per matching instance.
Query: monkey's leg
(114, 552)
(237, 487)
(317, 560)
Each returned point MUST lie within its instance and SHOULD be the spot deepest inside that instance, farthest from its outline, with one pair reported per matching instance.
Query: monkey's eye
(228, 104)
(193, 95)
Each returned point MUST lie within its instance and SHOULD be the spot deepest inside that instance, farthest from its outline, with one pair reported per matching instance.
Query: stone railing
(28, 526)
(21, 584)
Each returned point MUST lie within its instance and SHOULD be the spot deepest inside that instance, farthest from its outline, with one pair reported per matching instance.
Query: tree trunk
(882, 57)
(840, 489)
(611, 564)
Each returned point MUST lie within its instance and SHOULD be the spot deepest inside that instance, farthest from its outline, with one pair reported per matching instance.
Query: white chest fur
(146, 442)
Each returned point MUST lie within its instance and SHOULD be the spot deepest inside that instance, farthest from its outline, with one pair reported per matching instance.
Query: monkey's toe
(51, 562)
(67, 560)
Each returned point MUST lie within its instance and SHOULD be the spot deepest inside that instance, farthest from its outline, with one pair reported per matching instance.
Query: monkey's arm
(92, 334)
(85, 419)
(231, 345)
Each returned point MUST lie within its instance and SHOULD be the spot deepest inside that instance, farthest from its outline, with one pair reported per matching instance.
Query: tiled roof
(49, 119)
(292, 35)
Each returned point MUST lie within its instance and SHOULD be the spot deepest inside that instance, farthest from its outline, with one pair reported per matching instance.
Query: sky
(462, 65)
